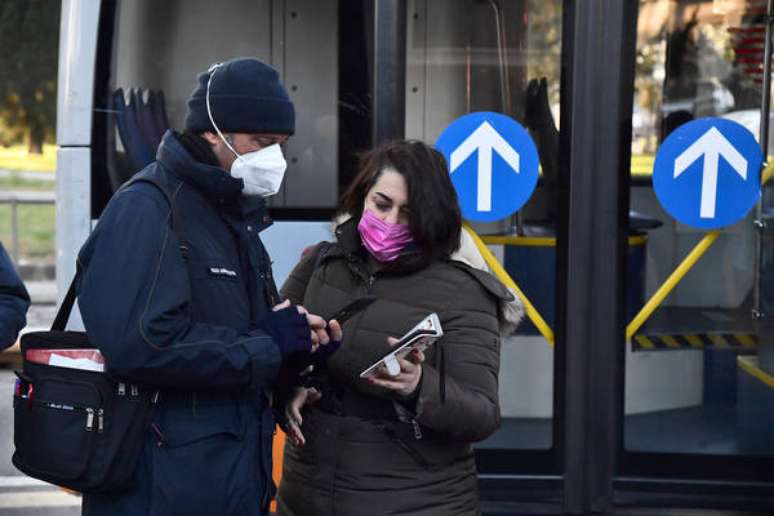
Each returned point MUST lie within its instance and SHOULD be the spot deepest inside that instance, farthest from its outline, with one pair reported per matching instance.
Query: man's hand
(336, 334)
(404, 383)
(317, 325)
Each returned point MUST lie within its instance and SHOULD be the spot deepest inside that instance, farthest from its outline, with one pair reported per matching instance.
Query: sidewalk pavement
(43, 308)
(42, 292)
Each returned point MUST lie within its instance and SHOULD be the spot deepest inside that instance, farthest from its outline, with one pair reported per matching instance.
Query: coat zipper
(417, 429)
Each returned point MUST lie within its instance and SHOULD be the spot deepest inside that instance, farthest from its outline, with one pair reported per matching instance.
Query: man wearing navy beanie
(240, 108)
(175, 288)
(246, 96)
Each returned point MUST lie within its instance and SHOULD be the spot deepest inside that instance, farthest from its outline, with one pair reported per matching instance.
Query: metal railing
(15, 199)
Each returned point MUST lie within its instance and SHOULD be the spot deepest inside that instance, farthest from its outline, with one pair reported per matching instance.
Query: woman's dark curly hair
(434, 213)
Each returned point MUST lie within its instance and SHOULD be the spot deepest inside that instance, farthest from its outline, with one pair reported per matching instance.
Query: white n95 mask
(261, 171)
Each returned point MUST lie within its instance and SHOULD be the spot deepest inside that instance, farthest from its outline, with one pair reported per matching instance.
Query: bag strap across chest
(63, 314)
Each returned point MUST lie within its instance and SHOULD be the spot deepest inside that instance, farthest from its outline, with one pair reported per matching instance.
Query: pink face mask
(385, 241)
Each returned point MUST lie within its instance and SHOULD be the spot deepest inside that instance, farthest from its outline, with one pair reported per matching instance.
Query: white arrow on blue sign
(504, 173)
(707, 173)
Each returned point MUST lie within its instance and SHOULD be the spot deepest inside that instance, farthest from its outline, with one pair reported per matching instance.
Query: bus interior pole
(764, 142)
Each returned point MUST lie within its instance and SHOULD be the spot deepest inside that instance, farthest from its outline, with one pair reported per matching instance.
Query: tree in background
(29, 41)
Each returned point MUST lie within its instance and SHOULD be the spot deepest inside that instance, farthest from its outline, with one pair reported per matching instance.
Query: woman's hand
(301, 397)
(404, 383)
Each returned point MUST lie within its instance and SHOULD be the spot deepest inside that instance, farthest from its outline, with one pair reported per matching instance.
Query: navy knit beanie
(246, 96)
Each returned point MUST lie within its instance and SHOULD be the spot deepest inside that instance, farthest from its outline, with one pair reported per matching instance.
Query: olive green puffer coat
(368, 453)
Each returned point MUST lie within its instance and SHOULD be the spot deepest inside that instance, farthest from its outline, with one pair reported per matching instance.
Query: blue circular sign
(493, 164)
(707, 173)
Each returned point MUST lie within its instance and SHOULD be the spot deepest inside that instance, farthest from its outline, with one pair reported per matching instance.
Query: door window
(699, 377)
(466, 56)
(150, 54)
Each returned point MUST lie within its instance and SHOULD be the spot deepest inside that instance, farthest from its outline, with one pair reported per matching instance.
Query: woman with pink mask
(395, 444)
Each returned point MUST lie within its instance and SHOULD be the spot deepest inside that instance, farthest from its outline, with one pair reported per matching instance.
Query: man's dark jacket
(192, 322)
(14, 301)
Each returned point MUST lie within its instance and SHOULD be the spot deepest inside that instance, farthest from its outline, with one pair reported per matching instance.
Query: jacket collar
(348, 239)
(214, 183)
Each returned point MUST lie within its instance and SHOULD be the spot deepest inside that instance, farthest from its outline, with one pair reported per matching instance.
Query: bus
(599, 414)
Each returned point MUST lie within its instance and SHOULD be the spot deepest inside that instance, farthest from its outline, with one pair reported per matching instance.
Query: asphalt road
(19, 494)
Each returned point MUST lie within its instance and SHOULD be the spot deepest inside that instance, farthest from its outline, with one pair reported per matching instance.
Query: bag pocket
(58, 423)
(20, 395)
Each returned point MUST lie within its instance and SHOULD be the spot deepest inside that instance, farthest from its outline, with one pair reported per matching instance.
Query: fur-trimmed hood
(510, 313)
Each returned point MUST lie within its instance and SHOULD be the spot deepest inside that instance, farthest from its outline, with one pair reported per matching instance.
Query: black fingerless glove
(290, 330)
(323, 353)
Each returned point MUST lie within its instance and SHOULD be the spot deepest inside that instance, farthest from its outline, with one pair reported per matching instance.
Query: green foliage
(545, 44)
(29, 36)
(17, 157)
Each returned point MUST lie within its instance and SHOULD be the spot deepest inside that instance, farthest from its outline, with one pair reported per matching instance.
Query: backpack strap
(63, 314)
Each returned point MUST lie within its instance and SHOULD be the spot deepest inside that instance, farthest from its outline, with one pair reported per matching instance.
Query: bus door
(643, 375)
(608, 399)
(699, 379)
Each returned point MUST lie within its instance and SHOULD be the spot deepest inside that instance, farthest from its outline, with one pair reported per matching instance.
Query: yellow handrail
(682, 269)
(531, 241)
(671, 282)
(504, 277)
(656, 299)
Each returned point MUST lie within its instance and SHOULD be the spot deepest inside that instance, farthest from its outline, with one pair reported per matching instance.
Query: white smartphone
(419, 337)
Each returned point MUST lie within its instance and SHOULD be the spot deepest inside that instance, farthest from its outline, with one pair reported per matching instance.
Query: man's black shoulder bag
(74, 425)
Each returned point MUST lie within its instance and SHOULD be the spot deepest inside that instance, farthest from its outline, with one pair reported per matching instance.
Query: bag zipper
(89, 419)
(133, 389)
(100, 413)
(91, 413)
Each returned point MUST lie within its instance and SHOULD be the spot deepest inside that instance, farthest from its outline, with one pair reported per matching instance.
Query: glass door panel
(695, 384)
(465, 56)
